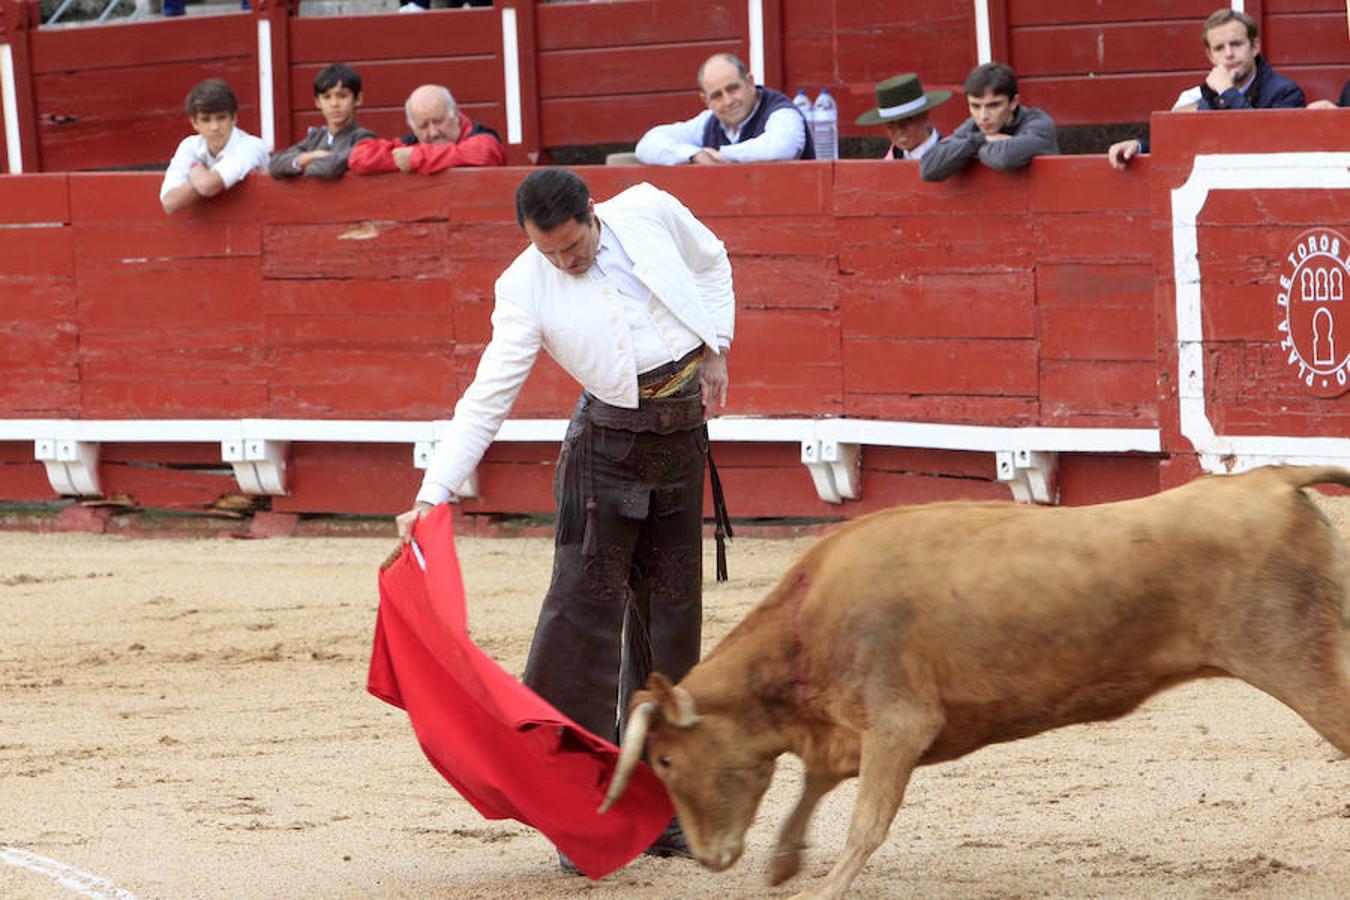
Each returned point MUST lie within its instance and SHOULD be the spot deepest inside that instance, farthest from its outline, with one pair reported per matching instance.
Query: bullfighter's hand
(407, 520)
(707, 157)
(403, 158)
(713, 381)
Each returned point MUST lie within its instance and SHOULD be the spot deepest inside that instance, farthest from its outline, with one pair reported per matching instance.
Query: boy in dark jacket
(324, 151)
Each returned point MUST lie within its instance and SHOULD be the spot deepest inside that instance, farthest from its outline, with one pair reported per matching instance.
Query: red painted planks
(565, 121)
(1025, 13)
(1095, 285)
(102, 198)
(881, 303)
(35, 199)
(96, 118)
(873, 190)
(41, 250)
(139, 242)
(1088, 478)
(450, 32)
(1099, 333)
(130, 44)
(1098, 393)
(374, 250)
(925, 366)
(1114, 47)
(1305, 36)
(576, 25)
(642, 69)
(775, 282)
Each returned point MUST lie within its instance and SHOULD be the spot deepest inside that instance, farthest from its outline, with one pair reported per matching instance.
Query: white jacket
(580, 322)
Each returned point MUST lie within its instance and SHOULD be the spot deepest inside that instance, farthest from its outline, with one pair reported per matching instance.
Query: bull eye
(663, 762)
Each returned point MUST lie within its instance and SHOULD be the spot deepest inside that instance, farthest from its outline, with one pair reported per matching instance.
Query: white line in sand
(67, 876)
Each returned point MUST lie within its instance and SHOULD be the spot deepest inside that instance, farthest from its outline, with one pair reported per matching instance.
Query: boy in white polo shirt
(217, 157)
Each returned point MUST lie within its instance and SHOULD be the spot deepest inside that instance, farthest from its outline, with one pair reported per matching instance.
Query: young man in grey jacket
(1000, 132)
(324, 151)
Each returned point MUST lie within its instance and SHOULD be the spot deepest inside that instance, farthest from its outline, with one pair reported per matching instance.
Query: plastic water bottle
(803, 104)
(825, 126)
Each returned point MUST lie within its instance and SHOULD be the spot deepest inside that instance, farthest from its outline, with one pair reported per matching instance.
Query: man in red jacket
(442, 137)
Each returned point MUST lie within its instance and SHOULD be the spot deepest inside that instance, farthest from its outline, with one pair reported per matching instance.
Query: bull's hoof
(784, 865)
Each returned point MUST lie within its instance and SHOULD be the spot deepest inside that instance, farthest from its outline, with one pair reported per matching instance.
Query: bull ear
(677, 704)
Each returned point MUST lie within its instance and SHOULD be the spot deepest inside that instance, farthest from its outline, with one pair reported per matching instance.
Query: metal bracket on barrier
(836, 469)
(259, 465)
(423, 451)
(72, 466)
(1032, 475)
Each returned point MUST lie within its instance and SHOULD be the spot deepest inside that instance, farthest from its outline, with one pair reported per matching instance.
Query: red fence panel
(609, 71)
(113, 96)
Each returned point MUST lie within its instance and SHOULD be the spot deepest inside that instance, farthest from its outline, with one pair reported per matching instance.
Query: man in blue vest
(743, 123)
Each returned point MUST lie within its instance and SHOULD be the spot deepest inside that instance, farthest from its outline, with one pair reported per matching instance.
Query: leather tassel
(721, 518)
(721, 537)
(589, 540)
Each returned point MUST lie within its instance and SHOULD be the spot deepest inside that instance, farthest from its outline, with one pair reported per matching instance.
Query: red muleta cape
(504, 748)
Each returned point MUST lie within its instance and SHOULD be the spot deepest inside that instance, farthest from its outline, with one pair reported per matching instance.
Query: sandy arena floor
(188, 718)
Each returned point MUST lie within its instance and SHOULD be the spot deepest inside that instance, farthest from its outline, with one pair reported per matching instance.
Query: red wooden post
(999, 44)
(523, 71)
(19, 19)
(274, 70)
(773, 44)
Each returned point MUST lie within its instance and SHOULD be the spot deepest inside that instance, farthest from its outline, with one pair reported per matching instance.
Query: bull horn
(634, 737)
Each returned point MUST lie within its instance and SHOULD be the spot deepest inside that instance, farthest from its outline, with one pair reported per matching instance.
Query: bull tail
(1306, 476)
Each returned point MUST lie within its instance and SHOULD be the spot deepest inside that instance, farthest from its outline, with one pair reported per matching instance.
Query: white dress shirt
(241, 154)
(659, 337)
(671, 145)
(582, 322)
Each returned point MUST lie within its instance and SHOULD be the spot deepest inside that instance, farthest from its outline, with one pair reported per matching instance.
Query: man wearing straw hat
(902, 106)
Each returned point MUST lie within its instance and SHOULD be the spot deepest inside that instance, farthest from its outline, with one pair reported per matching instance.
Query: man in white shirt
(633, 298)
(217, 157)
(743, 123)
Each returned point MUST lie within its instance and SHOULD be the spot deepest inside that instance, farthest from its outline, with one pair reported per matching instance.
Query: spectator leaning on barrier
(1000, 132)
(902, 106)
(1239, 78)
(442, 138)
(323, 153)
(743, 123)
(217, 157)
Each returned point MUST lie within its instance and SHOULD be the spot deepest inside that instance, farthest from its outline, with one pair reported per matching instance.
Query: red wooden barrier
(1245, 384)
(113, 96)
(991, 299)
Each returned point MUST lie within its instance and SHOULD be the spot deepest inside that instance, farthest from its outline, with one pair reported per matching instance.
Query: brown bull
(919, 634)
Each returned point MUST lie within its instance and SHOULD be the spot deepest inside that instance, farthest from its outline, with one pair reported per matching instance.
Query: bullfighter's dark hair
(991, 76)
(211, 96)
(1223, 17)
(551, 196)
(337, 74)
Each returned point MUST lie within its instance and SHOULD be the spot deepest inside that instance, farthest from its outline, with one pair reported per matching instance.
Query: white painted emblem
(1314, 317)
